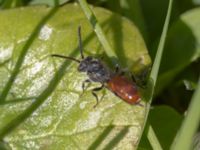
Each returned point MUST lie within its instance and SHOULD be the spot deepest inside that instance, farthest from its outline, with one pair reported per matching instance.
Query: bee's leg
(95, 95)
(83, 85)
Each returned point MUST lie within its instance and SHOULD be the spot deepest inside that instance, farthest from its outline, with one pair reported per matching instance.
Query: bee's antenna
(80, 42)
(66, 57)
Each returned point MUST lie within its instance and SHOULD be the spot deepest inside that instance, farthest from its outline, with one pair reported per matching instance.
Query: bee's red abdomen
(125, 89)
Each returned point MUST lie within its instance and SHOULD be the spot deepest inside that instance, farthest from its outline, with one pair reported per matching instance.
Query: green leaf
(44, 102)
(182, 47)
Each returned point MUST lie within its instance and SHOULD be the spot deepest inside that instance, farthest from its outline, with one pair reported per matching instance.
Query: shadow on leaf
(107, 134)
(23, 53)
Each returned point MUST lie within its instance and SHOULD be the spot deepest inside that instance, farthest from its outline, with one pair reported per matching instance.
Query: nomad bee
(97, 71)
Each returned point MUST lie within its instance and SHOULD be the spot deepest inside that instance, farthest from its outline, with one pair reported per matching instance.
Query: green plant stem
(184, 137)
(153, 139)
(98, 30)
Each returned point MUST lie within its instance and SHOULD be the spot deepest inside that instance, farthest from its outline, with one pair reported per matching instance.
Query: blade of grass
(98, 30)
(184, 137)
(157, 61)
(155, 69)
(156, 64)
(153, 140)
